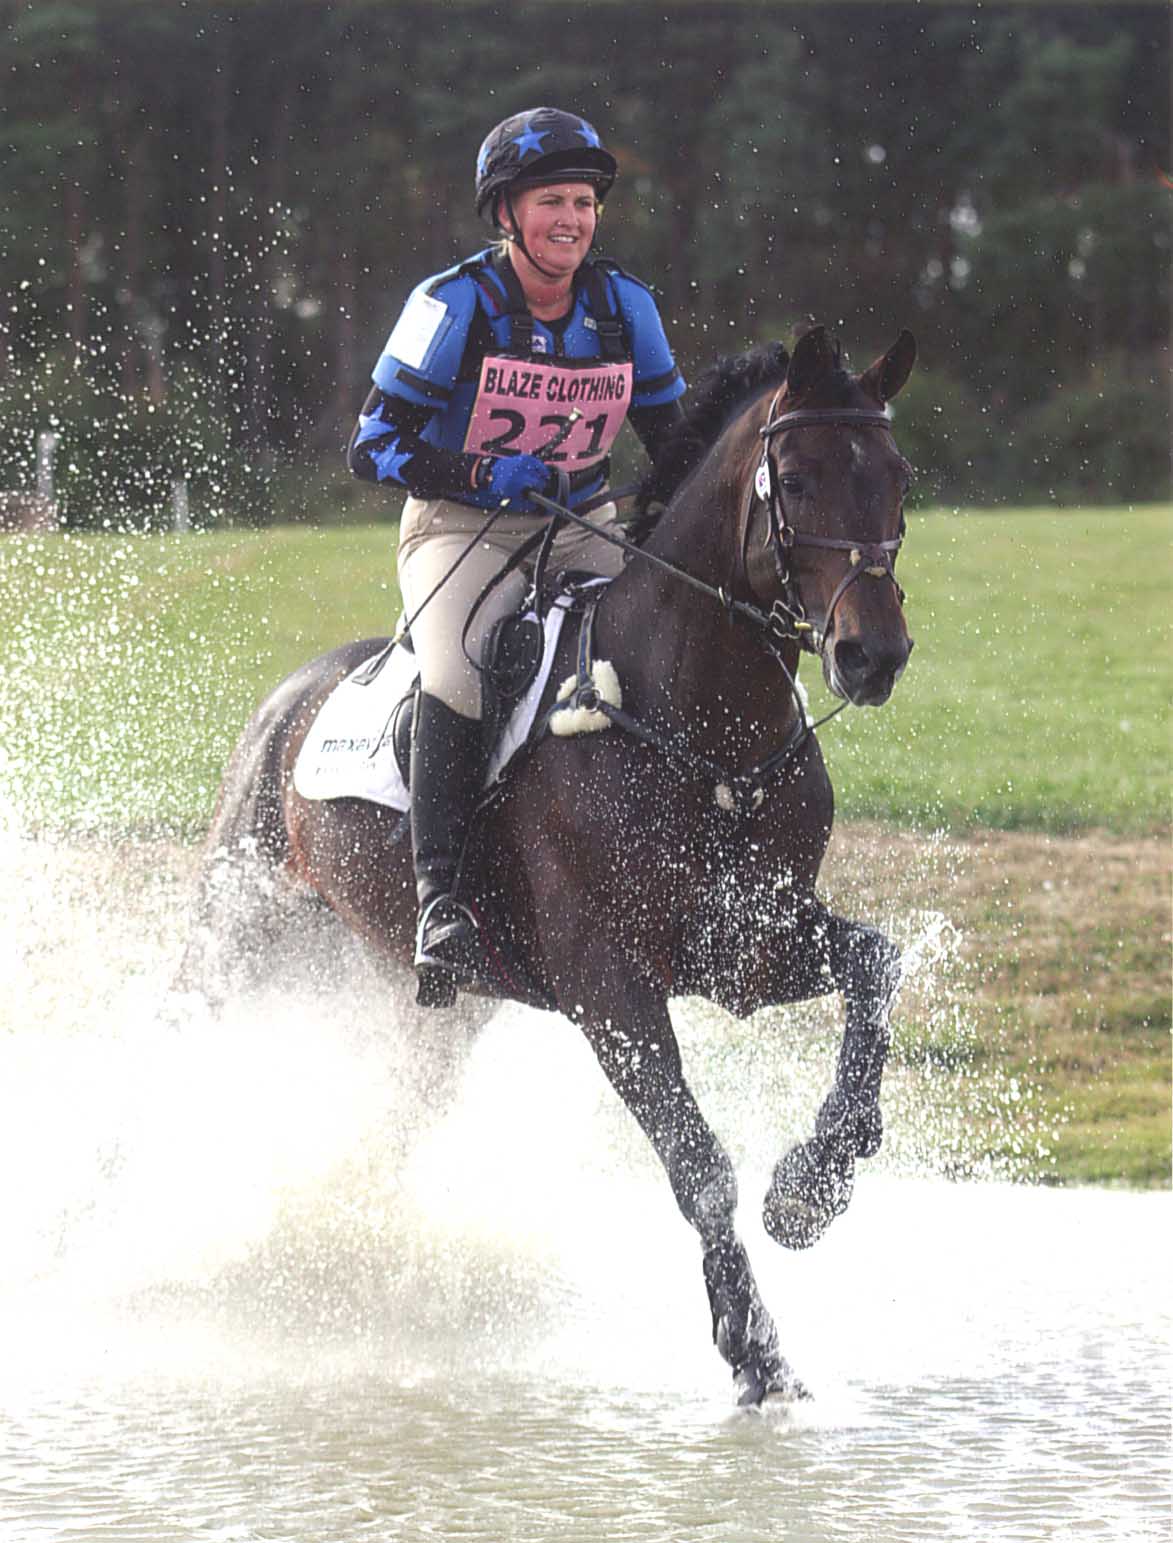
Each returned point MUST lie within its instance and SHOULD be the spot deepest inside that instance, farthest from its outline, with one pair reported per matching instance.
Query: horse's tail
(248, 843)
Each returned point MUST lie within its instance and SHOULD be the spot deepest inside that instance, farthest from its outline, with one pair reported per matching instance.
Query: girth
(734, 792)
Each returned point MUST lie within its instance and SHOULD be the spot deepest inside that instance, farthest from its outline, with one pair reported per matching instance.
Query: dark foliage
(255, 213)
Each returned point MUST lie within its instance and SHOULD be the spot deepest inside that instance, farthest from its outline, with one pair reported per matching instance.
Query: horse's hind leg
(642, 1061)
(812, 1183)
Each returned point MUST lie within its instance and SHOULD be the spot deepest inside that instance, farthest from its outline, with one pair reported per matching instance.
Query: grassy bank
(1035, 699)
(1036, 989)
(1029, 733)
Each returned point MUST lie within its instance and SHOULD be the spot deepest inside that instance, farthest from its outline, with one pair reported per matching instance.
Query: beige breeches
(432, 535)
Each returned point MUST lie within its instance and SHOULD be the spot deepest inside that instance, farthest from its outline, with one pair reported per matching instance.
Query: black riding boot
(447, 773)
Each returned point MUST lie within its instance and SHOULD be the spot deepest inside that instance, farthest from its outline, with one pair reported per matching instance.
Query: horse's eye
(791, 484)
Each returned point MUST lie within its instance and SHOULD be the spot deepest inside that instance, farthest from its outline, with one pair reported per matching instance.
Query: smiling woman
(509, 375)
(551, 229)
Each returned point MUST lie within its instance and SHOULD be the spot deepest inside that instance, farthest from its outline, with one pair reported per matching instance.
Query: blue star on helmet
(529, 141)
(588, 134)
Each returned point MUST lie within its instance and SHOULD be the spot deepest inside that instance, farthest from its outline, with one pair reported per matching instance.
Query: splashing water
(329, 1266)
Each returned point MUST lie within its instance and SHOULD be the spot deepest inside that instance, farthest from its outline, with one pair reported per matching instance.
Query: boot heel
(435, 987)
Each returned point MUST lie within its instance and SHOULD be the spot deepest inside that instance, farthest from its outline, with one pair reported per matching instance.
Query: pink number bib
(568, 413)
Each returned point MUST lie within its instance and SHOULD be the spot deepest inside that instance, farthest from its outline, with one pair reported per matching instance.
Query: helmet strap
(516, 236)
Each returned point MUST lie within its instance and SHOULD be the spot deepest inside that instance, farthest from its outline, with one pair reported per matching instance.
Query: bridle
(786, 621)
(876, 559)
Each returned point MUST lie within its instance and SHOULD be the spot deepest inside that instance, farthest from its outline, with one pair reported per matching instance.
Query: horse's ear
(886, 377)
(814, 357)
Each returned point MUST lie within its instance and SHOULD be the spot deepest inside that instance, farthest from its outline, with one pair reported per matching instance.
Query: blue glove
(510, 478)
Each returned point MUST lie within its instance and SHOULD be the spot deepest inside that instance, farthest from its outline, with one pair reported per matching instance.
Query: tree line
(211, 215)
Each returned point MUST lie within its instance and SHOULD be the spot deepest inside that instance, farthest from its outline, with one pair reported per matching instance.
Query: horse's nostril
(851, 659)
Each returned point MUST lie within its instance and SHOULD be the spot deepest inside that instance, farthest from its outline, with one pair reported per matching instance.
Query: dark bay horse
(676, 856)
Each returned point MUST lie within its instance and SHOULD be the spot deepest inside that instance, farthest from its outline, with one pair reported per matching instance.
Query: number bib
(563, 412)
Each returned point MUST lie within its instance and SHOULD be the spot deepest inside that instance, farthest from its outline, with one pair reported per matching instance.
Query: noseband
(788, 615)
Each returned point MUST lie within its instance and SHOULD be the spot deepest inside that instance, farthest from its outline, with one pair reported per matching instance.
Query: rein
(735, 792)
(741, 608)
(740, 792)
(786, 621)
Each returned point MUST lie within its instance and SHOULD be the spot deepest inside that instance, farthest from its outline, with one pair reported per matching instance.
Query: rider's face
(557, 224)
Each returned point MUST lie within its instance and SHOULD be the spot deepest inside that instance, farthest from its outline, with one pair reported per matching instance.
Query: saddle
(512, 658)
(359, 744)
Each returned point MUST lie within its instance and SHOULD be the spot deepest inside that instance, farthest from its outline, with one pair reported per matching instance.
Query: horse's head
(825, 517)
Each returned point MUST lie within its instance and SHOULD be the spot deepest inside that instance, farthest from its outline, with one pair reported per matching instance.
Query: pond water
(327, 1270)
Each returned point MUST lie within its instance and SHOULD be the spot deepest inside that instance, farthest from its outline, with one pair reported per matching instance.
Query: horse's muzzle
(865, 673)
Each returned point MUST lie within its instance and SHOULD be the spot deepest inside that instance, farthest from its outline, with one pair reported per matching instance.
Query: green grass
(1043, 1010)
(1104, 1102)
(1037, 694)
(1035, 699)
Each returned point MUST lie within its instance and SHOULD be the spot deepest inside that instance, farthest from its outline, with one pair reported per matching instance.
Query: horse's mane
(723, 388)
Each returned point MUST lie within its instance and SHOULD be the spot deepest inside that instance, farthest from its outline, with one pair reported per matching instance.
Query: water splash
(329, 1167)
(392, 1269)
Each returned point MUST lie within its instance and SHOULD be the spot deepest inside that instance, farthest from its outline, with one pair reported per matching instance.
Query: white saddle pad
(348, 751)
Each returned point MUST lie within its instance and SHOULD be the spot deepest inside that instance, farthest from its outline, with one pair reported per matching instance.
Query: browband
(860, 415)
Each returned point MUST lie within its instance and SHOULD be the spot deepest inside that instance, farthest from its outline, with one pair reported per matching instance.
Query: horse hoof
(811, 1186)
(757, 1382)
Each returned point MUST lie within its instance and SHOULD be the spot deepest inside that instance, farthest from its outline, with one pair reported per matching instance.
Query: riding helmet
(537, 147)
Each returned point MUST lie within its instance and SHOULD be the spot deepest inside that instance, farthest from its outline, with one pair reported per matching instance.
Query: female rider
(503, 371)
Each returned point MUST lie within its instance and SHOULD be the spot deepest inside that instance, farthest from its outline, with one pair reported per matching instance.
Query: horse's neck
(690, 664)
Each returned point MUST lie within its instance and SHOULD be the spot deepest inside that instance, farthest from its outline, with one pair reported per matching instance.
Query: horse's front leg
(812, 1183)
(637, 1049)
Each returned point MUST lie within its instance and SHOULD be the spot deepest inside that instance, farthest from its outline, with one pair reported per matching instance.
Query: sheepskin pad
(565, 721)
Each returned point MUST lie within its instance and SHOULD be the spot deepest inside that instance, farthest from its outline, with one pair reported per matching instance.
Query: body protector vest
(565, 410)
(500, 382)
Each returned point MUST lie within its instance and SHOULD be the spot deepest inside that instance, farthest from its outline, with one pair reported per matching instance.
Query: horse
(677, 852)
